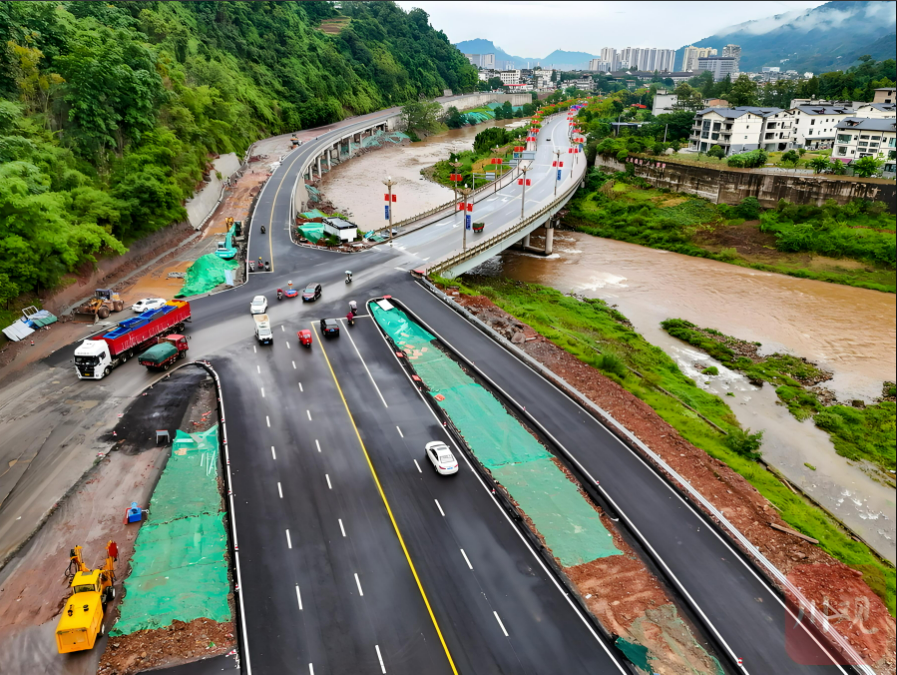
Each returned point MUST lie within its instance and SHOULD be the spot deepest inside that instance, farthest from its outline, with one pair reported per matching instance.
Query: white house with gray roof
(741, 129)
(815, 125)
(863, 137)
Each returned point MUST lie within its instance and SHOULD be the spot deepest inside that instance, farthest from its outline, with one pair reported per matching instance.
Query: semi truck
(81, 621)
(95, 358)
(161, 355)
(263, 332)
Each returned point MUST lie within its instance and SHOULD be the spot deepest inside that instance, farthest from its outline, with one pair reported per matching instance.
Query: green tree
(687, 98)
(866, 167)
(453, 118)
(744, 92)
(790, 158)
(716, 151)
(837, 167)
(819, 164)
(421, 116)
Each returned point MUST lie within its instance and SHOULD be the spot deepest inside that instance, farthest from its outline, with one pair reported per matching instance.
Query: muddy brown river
(849, 331)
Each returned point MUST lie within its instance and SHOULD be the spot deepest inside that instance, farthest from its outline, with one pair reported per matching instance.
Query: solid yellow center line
(395, 525)
(273, 204)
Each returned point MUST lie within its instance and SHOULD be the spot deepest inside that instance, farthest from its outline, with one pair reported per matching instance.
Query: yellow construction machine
(82, 619)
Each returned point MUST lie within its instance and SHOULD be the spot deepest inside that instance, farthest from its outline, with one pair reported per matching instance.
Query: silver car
(441, 458)
(259, 305)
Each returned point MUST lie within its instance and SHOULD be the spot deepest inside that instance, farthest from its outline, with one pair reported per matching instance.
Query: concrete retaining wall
(201, 205)
(730, 186)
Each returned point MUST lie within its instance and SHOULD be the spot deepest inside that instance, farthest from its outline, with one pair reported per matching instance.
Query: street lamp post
(389, 182)
(557, 168)
(456, 166)
(495, 150)
(465, 191)
(523, 170)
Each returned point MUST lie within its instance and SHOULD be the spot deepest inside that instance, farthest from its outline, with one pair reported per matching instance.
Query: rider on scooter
(348, 277)
(353, 308)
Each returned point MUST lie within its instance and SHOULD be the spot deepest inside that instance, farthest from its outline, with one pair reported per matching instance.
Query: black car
(311, 293)
(329, 327)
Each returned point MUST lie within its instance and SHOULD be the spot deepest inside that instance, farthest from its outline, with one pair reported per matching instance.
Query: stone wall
(469, 101)
(203, 203)
(730, 186)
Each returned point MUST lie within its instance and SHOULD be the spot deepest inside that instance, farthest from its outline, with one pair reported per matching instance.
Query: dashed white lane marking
(298, 596)
(308, 412)
(311, 669)
(342, 527)
(263, 392)
(289, 541)
(500, 624)
(400, 431)
(439, 507)
(418, 466)
(466, 559)
(318, 444)
(380, 658)
(327, 476)
(258, 369)
(254, 350)
(279, 489)
(294, 365)
(358, 583)
(426, 259)
(268, 421)
(300, 387)
(282, 329)
(273, 455)
(288, 344)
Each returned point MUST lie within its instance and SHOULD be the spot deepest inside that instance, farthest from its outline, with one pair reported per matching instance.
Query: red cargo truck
(95, 358)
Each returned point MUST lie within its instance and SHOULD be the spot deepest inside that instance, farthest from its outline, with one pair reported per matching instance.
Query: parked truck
(263, 332)
(82, 618)
(163, 354)
(95, 358)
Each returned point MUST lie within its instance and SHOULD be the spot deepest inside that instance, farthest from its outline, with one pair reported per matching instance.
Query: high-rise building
(481, 60)
(692, 54)
(734, 51)
(720, 66)
(644, 58)
(611, 55)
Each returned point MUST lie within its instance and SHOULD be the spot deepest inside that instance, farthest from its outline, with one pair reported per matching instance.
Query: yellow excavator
(82, 619)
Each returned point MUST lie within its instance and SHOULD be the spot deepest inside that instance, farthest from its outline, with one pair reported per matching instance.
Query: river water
(849, 331)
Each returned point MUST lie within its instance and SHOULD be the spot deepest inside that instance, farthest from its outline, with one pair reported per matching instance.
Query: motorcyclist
(348, 277)
(350, 318)
(263, 229)
(260, 265)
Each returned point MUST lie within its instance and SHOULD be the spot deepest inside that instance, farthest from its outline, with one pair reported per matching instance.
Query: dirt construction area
(33, 587)
(837, 590)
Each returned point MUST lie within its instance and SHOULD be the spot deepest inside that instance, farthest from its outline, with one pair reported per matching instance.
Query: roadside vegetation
(111, 111)
(601, 337)
(852, 244)
(858, 432)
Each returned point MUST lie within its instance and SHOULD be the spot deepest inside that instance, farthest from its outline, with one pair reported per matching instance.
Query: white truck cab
(263, 332)
(93, 360)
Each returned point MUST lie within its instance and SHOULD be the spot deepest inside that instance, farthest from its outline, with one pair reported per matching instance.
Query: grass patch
(857, 432)
(600, 336)
(853, 245)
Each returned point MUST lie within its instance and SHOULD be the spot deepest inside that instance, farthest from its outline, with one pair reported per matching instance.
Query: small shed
(342, 229)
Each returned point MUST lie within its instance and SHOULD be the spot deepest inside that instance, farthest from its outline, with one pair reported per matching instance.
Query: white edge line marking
(289, 541)
(298, 597)
(418, 466)
(519, 534)
(497, 618)
(400, 431)
(466, 559)
(380, 658)
(279, 490)
(379, 393)
(438, 506)
(358, 583)
(341, 526)
(327, 476)
(273, 455)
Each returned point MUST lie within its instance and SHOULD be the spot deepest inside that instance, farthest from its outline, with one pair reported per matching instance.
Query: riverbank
(591, 345)
(860, 432)
(852, 245)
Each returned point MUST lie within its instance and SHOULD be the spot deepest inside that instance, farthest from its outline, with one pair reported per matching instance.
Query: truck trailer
(95, 358)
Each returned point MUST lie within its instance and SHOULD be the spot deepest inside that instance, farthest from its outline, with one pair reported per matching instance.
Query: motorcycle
(348, 277)
(263, 229)
(279, 294)
(267, 266)
(252, 265)
(350, 319)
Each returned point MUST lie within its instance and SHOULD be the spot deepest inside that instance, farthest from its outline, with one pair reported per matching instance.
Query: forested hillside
(109, 110)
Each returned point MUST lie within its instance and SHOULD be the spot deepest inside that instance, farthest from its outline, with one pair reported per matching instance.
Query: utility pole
(389, 182)
(456, 166)
(523, 170)
(557, 167)
(495, 150)
(467, 216)
(665, 127)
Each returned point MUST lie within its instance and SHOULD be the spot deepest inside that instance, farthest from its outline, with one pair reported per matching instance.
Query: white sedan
(147, 304)
(259, 305)
(441, 458)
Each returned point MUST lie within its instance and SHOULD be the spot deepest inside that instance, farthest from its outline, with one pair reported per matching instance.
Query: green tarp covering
(158, 353)
(205, 274)
(314, 232)
(179, 570)
(565, 518)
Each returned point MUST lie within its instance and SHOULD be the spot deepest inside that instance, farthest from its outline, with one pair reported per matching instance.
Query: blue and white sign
(386, 207)
(467, 222)
(559, 176)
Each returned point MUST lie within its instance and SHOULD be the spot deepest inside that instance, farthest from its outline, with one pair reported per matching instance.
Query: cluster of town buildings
(851, 129)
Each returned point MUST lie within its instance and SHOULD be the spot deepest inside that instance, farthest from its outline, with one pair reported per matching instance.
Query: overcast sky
(535, 29)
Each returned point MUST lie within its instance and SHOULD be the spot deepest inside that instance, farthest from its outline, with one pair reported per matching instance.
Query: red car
(304, 336)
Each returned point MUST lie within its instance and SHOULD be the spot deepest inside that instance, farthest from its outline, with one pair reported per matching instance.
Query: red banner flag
(393, 197)
(385, 198)
(560, 165)
(470, 206)
(554, 164)
(461, 206)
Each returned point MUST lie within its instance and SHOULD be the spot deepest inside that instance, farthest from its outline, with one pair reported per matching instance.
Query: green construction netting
(314, 195)
(312, 231)
(565, 518)
(636, 653)
(179, 569)
(314, 213)
(205, 274)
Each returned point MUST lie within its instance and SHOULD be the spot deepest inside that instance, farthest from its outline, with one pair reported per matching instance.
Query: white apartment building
(692, 54)
(509, 76)
(815, 126)
(877, 110)
(720, 66)
(863, 137)
(741, 129)
(644, 58)
(734, 51)
(481, 60)
(486, 75)
(611, 56)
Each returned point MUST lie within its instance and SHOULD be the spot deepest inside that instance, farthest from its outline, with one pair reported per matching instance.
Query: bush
(611, 363)
(790, 158)
(745, 443)
(748, 208)
(748, 160)
(716, 151)
(710, 370)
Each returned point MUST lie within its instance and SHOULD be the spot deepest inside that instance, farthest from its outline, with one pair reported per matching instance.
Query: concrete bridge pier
(526, 242)
(549, 237)
(318, 162)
